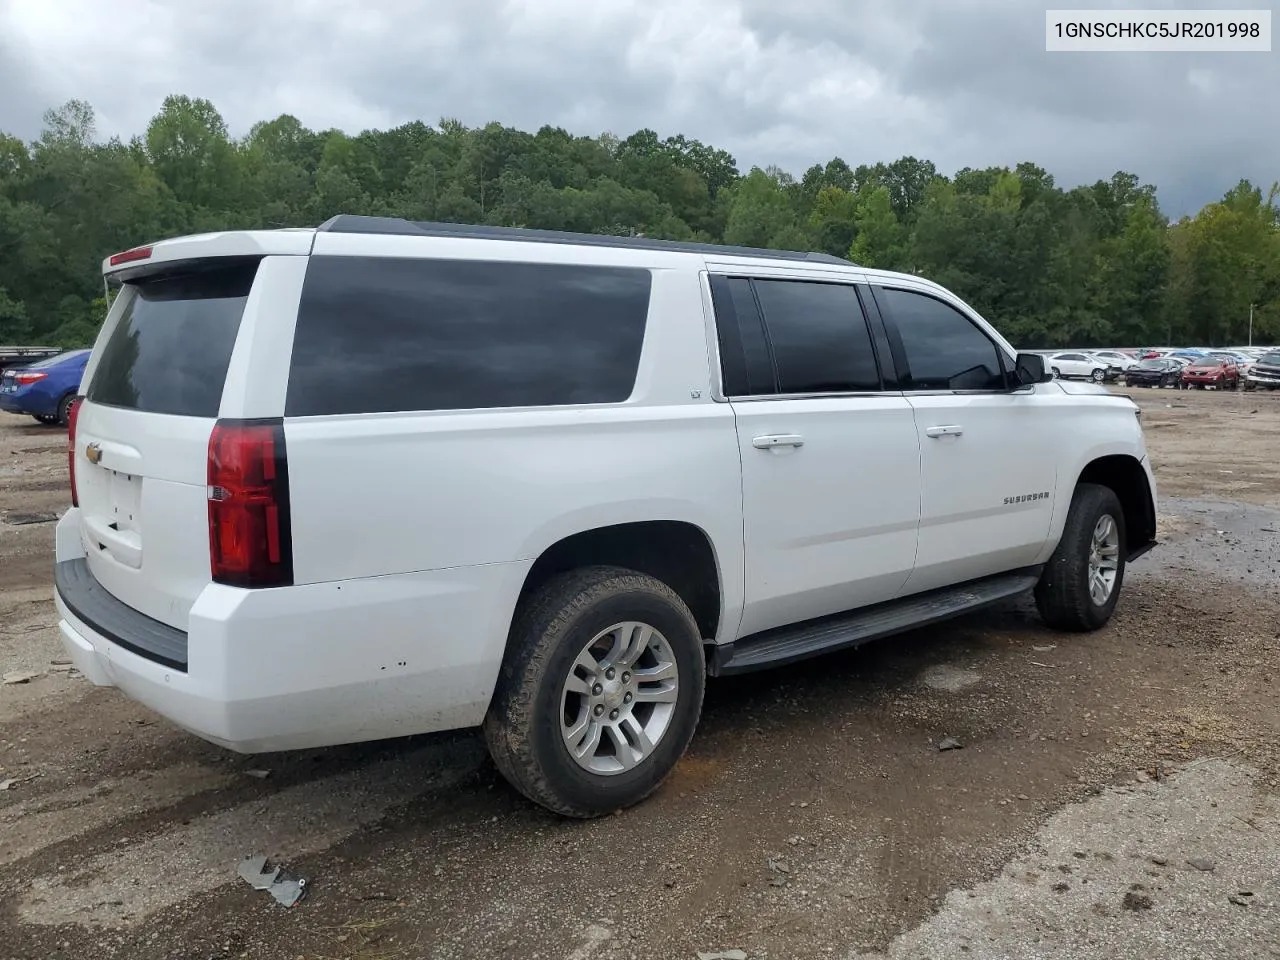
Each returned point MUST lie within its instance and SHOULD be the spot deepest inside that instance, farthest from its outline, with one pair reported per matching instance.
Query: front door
(988, 469)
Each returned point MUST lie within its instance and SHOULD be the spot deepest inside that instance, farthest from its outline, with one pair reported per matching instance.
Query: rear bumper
(316, 664)
(28, 402)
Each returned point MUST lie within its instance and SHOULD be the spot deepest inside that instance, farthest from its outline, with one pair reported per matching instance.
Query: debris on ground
(11, 782)
(20, 676)
(1136, 900)
(1238, 901)
(723, 955)
(949, 743)
(1044, 649)
(778, 870)
(22, 519)
(1200, 863)
(260, 875)
(258, 774)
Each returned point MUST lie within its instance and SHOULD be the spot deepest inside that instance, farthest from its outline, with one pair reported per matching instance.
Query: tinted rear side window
(820, 339)
(381, 335)
(170, 351)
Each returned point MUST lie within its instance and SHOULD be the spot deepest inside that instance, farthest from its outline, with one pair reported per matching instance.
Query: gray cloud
(960, 82)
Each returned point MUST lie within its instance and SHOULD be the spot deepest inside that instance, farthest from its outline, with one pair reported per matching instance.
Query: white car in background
(1115, 358)
(1083, 366)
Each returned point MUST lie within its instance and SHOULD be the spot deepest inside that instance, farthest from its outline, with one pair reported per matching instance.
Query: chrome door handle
(954, 430)
(769, 441)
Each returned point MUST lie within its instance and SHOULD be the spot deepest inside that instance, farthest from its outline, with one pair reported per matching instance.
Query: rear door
(152, 395)
(830, 458)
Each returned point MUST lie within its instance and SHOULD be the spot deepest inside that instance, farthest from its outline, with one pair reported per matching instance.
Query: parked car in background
(1242, 360)
(44, 389)
(1265, 374)
(13, 357)
(1116, 358)
(1082, 366)
(1154, 372)
(1220, 372)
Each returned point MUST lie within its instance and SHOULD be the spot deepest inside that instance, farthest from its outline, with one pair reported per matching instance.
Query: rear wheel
(1099, 376)
(1081, 583)
(600, 691)
(1056, 372)
(64, 410)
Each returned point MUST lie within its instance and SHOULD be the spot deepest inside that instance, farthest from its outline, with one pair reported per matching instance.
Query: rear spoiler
(154, 258)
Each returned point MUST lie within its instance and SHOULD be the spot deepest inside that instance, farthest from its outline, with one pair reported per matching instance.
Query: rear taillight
(250, 544)
(73, 415)
(31, 376)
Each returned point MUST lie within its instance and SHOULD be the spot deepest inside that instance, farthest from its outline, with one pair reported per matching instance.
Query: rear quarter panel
(382, 494)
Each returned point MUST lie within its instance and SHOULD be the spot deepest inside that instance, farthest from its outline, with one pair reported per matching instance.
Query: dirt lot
(1116, 794)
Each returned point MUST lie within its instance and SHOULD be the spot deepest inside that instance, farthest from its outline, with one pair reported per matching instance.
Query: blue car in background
(44, 389)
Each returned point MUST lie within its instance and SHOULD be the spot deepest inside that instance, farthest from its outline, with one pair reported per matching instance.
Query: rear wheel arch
(1125, 475)
(675, 552)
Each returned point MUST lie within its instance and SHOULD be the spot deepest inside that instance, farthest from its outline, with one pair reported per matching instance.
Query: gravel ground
(814, 815)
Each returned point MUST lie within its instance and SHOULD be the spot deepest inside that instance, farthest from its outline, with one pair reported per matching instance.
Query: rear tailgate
(151, 400)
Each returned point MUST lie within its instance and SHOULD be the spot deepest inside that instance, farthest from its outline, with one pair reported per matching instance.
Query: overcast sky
(958, 82)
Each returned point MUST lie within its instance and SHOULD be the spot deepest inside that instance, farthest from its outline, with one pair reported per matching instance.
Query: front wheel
(1057, 374)
(1081, 583)
(600, 691)
(1099, 376)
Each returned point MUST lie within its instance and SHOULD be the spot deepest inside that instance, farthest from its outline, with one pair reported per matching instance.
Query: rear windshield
(389, 335)
(1154, 364)
(170, 350)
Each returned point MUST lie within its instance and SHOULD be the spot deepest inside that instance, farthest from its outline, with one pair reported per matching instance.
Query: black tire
(1057, 375)
(1062, 595)
(64, 409)
(523, 725)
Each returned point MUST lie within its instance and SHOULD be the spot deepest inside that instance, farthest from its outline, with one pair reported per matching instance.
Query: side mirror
(1030, 369)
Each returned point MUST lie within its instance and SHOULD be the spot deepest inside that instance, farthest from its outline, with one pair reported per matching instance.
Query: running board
(798, 641)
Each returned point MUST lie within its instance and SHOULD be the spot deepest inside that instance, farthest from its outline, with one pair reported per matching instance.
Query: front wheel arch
(1125, 476)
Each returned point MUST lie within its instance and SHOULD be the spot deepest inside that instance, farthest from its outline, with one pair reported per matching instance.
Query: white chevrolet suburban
(384, 478)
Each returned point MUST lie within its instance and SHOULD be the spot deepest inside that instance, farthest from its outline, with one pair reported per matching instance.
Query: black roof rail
(397, 226)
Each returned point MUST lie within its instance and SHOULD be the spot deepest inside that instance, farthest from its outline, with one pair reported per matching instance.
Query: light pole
(1251, 324)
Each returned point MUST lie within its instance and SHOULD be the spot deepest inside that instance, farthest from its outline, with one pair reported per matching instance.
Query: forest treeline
(1096, 264)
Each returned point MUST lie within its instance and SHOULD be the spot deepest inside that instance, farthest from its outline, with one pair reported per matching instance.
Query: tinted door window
(170, 350)
(377, 335)
(943, 349)
(819, 337)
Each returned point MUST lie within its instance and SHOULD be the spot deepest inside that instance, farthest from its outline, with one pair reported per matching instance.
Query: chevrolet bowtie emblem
(94, 452)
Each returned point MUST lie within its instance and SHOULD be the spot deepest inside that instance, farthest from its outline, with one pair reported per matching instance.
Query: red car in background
(1220, 372)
